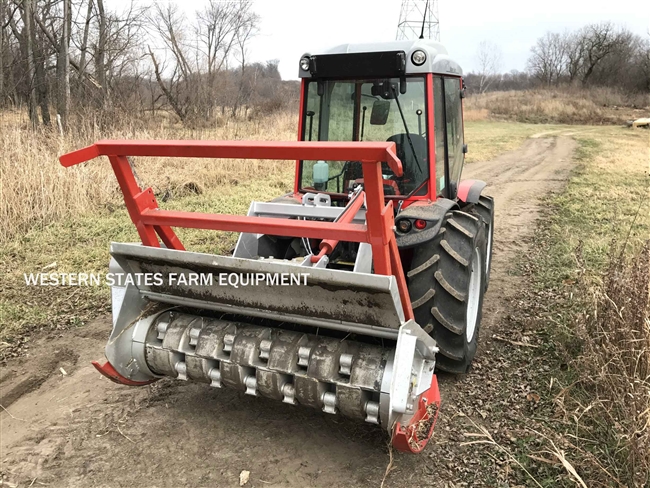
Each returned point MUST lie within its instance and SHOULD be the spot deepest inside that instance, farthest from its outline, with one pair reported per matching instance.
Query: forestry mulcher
(391, 250)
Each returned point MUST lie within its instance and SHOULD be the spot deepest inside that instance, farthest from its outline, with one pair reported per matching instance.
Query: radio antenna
(418, 19)
(424, 18)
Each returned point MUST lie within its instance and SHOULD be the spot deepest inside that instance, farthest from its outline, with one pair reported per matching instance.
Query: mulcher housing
(395, 250)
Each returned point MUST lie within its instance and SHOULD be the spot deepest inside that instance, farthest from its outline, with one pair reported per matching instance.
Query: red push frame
(153, 223)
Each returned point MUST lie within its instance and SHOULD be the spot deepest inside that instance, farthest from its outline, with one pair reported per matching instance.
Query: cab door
(454, 131)
(448, 115)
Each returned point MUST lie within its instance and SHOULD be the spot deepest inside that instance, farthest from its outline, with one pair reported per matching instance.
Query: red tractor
(348, 292)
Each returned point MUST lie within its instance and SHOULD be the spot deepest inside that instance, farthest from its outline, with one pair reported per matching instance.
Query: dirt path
(78, 429)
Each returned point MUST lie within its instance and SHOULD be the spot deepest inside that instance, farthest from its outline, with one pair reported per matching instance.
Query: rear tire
(446, 282)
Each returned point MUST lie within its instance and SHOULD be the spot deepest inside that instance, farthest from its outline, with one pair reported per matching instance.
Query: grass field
(591, 272)
(566, 105)
(606, 200)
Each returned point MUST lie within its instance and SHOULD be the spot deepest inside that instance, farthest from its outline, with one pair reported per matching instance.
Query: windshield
(367, 110)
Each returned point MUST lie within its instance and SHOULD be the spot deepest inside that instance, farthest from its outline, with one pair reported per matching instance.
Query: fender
(432, 212)
(470, 190)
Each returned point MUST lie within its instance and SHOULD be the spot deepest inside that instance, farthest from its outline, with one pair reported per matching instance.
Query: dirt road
(78, 429)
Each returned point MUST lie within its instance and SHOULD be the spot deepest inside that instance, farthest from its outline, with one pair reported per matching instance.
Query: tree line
(62, 58)
(599, 54)
(65, 58)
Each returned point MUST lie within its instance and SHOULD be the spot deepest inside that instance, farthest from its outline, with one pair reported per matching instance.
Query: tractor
(351, 290)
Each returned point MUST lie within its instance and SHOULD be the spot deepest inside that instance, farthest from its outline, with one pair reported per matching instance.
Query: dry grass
(35, 189)
(471, 114)
(599, 321)
(615, 372)
(560, 106)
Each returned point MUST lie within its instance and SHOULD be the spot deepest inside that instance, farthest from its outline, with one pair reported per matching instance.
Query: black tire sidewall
(480, 242)
(441, 314)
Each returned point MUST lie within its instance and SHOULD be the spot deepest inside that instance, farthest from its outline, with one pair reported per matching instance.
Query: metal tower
(411, 17)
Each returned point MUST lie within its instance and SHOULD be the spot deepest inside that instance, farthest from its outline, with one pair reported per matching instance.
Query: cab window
(367, 110)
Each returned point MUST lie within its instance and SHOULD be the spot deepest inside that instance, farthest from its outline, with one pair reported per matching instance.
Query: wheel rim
(489, 249)
(473, 295)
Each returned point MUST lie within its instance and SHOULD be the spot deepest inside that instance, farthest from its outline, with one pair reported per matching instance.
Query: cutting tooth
(265, 349)
(303, 356)
(215, 377)
(251, 385)
(161, 328)
(372, 412)
(228, 341)
(194, 335)
(289, 394)
(329, 402)
(345, 364)
(181, 369)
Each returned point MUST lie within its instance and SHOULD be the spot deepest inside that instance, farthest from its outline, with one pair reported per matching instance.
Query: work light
(418, 57)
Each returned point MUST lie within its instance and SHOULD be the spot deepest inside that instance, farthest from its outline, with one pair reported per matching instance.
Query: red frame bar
(325, 150)
(152, 222)
(431, 137)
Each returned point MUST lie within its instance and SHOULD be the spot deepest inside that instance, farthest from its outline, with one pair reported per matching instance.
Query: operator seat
(412, 173)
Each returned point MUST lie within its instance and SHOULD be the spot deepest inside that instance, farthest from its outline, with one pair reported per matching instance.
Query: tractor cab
(406, 92)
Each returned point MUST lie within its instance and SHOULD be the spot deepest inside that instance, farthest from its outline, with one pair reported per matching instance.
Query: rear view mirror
(379, 114)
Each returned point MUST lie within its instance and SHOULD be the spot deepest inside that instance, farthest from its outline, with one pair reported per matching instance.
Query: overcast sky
(291, 27)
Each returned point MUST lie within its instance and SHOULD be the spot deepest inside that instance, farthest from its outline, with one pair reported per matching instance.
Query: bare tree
(575, 50)
(2, 52)
(27, 13)
(123, 48)
(215, 30)
(83, 48)
(100, 53)
(247, 28)
(169, 24)
(548, 58)
(193, 77)
(644, 64)
(54, 44)
(489, 59)
(40, 57)
(167, 89)
(600, 40)
(216, 24)
(63, 67)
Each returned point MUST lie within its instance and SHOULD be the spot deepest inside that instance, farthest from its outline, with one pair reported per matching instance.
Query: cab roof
(437, 60)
